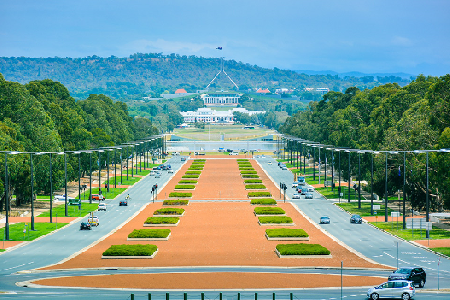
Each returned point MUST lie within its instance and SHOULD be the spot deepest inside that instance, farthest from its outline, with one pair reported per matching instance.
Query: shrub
(199, 159)
(263, 201)
(195, 168)
(248, 172)
(161, 220)
(194, 172)
(259, 194)
(302, 249)
(190, 176)
(286, 232)
(269, 211)
(187, 181)
(177, 194)
(185, 186)
(242, 159)
(249, 176)
(275, 220)
(130, 250)
(255, 186)
(198, 163)
(169, 211)
(149, 233)
(246, 169)
(253, 181)
(175, 202)
(245, 165)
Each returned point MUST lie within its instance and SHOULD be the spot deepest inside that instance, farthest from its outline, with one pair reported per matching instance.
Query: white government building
(207, 115)
(221, 98)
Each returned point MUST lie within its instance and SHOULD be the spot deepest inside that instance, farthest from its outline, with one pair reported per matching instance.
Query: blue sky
(346, 35)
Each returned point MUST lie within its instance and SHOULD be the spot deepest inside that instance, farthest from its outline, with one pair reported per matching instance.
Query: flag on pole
(399, 172)
(219, 48)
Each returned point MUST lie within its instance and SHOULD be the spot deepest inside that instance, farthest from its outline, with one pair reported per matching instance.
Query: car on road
(157, 168)
(296, 196)
(101, 206)
(233, 153)
(152, 173)
(356, 219)
(395, 289)
(302, 190)
(183, 158)
(269, 163)
(324, 220)
(98, 197)
(309, 196)
(93, 221)
(63, 197)
(170, 171)
(415, 274)
(310, 189)
(85, 226)
(294, 184)
(123, 203)
(158, 175)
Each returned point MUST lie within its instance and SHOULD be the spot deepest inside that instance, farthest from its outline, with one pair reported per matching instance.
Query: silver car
(309, 196)
(402, 289)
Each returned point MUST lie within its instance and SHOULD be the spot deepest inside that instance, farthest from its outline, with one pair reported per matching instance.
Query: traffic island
(161, 222)
(149, 235)
(302, 251)
(286, 234)
(124, 251)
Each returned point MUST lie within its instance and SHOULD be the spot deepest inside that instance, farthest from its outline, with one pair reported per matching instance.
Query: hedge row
(200, 159)
(302, 249)
(190, 176)
(194, 172)
(149, 233)
(195, 168)
(176, 202)
(248, 172)
(249, 176)
(275, 220)
(253, 181)
(259, 194)
(200, 163)
(162, 220)
(177, 194)
(242, 159)
(286, 232)
(269, 211)
(247, 169)
(185, 186)
(264, 201)
(255, 186)
(169, 211)
(187, 181)
(130, 250)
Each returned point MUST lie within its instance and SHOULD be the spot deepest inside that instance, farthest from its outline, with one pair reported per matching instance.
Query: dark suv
(414, 274)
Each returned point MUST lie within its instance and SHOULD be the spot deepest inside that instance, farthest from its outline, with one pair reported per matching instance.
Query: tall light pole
(349, 173)
(359, 179)
(90, 177)
(386, 191)
(51, 188)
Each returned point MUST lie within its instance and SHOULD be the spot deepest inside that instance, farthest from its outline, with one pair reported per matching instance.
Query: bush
(130, 250)
(269, 211)
(249, 176)
(246, 169)
(302, 249)
(242, 159)
(187, 181)
(263, 201)
(253, 181)
(177, 194)
(175, 202)
(259, 194)
(248, 172)
(245, 165)
(199, 159)
(275, 220)
(161, 220)
(185, 186)
(286, 232)
(194, 172)
(169, 211)
(190, 176)
(200, 163)
(255, 186)
(195, 168)
(149, 233)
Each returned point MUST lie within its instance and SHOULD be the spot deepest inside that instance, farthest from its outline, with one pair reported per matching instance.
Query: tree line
(41, 116)
(387, 118)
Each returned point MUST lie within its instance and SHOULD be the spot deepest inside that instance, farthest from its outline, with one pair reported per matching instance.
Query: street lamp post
(6, 198)
(359, 179)
(386, 191)
(51, 188)
(404, 190)
(349, 177)
(32, 191)
(90, 177)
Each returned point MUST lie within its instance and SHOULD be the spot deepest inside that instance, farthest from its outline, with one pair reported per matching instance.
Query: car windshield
(403, 271)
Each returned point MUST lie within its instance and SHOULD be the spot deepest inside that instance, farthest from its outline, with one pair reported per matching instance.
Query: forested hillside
(391, 118)
(152, 74)
(42, 116)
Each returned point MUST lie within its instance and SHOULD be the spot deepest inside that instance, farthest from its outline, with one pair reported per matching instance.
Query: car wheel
(421, 283)
(374, 296)
(406, 296)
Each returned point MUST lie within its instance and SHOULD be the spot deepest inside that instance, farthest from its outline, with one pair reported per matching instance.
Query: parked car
(98, 197)
(356, 219)
(414, 274)
(101, 206)
(393, 289)
(284, 168)
(324, 220)
(63, 197)
(93, 221)
(296, 196)
(309, 196)
(123, 203)
(85, 226)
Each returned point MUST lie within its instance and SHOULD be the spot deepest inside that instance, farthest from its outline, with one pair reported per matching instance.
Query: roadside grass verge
(442, 250)
(255, 186)
(259, 194)
(275, 220)
(329, 194)
(72, 210)
(176, 194)
(16, 230)
(176, 202)
(184, 186)
(122, 180)
(130, 250)
(113, 193)
(253, 181)
(352, 208)
(407, 234)
(249, 176)
(161, 220)
(190, 176)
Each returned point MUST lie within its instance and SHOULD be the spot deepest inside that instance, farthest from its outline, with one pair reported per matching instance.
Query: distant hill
(354, 74)
(151, 74)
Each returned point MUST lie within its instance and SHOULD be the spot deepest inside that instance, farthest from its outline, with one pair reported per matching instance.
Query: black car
(356, 219)
(123, 203)
(85, 226)
(414, 274)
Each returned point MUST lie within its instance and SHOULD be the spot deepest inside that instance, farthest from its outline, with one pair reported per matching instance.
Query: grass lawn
(130, 181)
(442, 250)
(407, 234)
(328, 193)
(365, 209)
(308, 171)
(16, 230)
(113, 192)
(72, 210)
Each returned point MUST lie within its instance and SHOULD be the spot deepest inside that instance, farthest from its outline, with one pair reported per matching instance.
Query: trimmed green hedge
(194, 172)
(177, 194)
(255, 186)
(161, 220)
(149, 233)
(185, 186)
(187, 181)
(190, 176)
(200, 159)
(130, 250)
(202, 163)
(245, 165)
(269, 210)
(286, 232)
(249, 172)
(169, 211)
(253, 181)
(263, 201)
(249, 176)
(175, 202)
(195, 168)
(275, 220)
(246, 169)
(242, 159)
(259, 194)
(302, 249)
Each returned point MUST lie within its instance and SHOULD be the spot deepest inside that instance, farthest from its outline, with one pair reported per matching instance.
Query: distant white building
(221, 99)
(207, 115)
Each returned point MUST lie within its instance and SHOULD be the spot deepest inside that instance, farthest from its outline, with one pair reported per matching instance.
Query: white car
(401, 289)
(269, 163)
(152, 173)
(234, 153)
(310, 189)
(101, 206)
(63, 197)
(296, 196)
(170, 171)
(294, 184)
